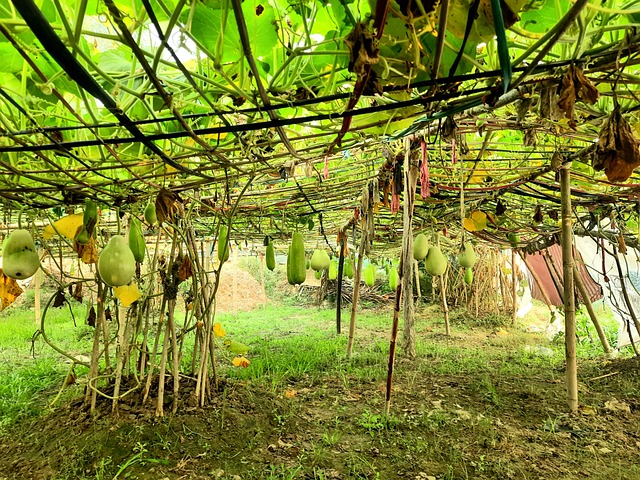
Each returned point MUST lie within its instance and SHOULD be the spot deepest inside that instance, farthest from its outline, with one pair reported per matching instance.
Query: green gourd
(333, 269)
(271, 256)
(370, 275)
(318, 274)
(468, 276)
(348, 268)
(19, 257)
(467, 259)
(150, 213)
(420, 246)
(223, 243)
(435, 262)
(89, 220)
(116, 263)
(514, 239)
(136, 240)
(296, 271)
(394, 278)
(320, 260)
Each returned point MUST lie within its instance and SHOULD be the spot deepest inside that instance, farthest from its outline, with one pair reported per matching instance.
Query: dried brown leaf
(9, 290)
(617, 151)
(575, 86)
(186, 269)
(363, 49)
(168, 203)
(91, 319)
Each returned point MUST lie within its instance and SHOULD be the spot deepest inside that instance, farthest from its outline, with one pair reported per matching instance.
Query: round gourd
(320, 260)
(370, 275)
(296, 271)
(394, 278)
(270, 256)
(467, 258)
(436, 262)
(420, 246)
(116, 263)
(19, 257)
(514, 239)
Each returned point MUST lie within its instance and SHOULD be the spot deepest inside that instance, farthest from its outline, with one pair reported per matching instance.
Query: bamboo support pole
(569, 289)
(445, 307)
(339, 292)
(356, 294)
(584, 294)
(627, 301)
(392, 343)
(416, 270)
(406, 278)
(36, 295)
(514, 286)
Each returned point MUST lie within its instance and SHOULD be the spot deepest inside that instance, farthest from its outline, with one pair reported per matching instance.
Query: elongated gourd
(89, 220)
(468, 276)
(223, 243)
(150, 213)
(19, 257)
(116, 263)
(394, 278)
(436, 262)
(270, 256)
(333, 269)
(467, 259)
(420, 246)
(136, 240)
(348, 268)
(370, 275)
(296, 271)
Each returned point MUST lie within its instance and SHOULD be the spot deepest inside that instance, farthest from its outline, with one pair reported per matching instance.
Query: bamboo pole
(339, 292)
(36, 295)
(406, 278)
(445, 307)
(569, 289)
(356, 294)
(514, 286)
(627, 301)
(394, 336)
(416, 270)
(592, 314)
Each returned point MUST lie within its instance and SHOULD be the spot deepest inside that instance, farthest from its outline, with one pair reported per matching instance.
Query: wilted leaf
(575, 87)
(66, 226)
(76, 293)
(538, 217)
(617, 151)
(186, 270)
(363, 49)
(168, 204)
(9, 290)
(91, 318)
(218, 331)
(127, 294)
(241, 362)
(475, 222)
(59, 299)
(87, 253)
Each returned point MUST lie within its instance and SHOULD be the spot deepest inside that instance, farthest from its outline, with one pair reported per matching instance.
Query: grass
(449, 405)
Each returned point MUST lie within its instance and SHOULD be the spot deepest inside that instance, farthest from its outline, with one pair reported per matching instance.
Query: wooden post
(514, 286)
(592, 314)
(339, 288)
(569, 288)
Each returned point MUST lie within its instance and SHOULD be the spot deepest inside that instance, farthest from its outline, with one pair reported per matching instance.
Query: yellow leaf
(127, 294)
(290, 393)
(218, 331)
(476, 222)
(9, 290)
(88, 252)
(241, 362)
(66, 226)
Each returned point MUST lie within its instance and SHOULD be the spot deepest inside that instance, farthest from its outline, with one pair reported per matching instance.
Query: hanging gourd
(116, 263)
(19, 257)
(435, 262)
(296, 271)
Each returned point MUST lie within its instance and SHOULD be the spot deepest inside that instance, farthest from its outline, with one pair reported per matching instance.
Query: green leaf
(10, 60)
(542, 16)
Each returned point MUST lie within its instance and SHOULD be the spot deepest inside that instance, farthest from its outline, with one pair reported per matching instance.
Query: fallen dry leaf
(9, 290)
